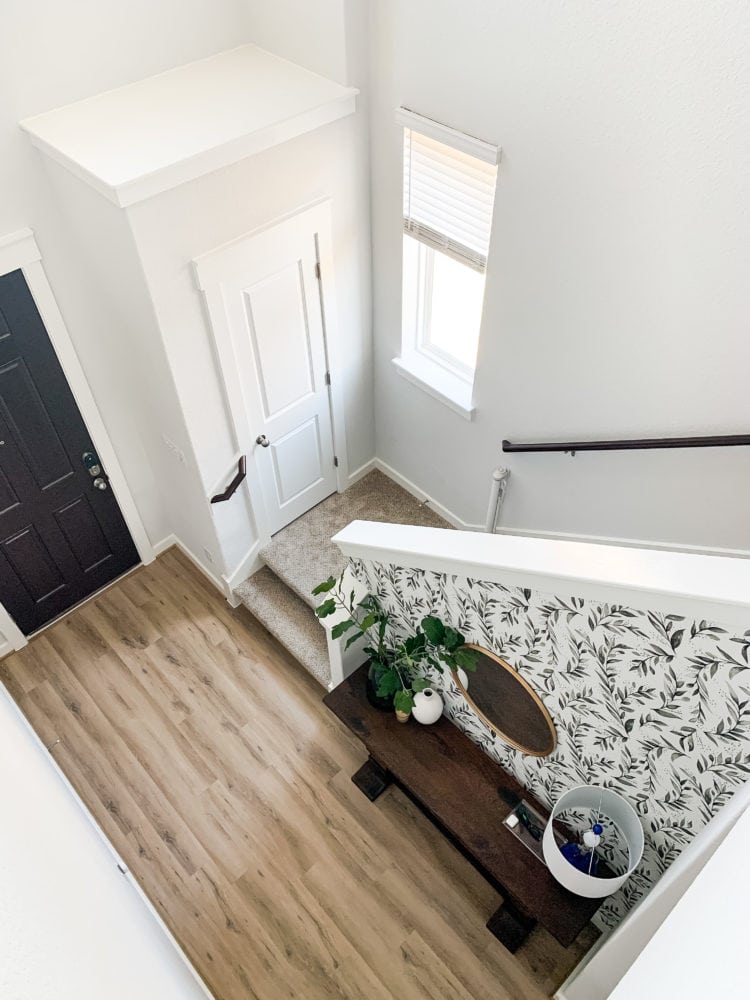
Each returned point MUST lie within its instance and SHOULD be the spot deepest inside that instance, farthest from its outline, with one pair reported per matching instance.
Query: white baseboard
(561, 536)
(361, 472)
(249, 564)
(633, 543)
(164, 544)
(415, 491)
(170, 540)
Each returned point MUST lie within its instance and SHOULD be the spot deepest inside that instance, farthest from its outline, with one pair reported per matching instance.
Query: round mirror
(509, 705)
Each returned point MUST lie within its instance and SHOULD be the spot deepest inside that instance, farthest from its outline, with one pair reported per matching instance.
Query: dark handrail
(234, 485)
(717, 441)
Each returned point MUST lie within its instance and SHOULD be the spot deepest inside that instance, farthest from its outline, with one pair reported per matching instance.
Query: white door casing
(19, 250)
(271, 320)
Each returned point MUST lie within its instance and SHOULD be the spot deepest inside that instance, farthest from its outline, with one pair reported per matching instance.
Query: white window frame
(439, 374)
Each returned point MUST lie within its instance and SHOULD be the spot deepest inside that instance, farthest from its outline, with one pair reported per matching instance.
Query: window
(449, 192)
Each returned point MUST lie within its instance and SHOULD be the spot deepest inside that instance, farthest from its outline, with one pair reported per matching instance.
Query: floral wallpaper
(656, 707)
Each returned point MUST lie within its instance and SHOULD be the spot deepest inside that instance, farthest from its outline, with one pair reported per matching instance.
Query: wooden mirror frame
(528, 689)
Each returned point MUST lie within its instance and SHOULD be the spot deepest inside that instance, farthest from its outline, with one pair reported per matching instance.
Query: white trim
(209, 270)
(105, 840)
(361, 472)
(336, 351)
(486, 151)
(171, 541)
(20, 250)
(712, 587)
(633, 543)
(437, 381)
(423, 497)
(555, 536)
(265, 100)
(15, 639)
(250, 563)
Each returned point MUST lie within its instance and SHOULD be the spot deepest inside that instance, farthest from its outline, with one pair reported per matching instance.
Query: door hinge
(317, 269)
(335, 462)
(328, 378)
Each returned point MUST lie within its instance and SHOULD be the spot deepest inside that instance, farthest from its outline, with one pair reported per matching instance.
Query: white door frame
(209, 270)
(19, 250)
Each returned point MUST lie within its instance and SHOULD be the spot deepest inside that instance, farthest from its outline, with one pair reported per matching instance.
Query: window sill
(438, 382)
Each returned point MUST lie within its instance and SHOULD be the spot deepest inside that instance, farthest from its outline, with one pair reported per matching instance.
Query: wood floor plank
(204, 752)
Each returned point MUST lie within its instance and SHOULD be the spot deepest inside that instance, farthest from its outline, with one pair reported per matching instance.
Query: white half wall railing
(716, 588)
(701, 586)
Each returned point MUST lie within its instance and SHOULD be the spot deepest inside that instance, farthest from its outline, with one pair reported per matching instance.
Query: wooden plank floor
(205, 754)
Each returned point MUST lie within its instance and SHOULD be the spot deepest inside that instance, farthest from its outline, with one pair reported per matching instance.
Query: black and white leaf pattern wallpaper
(654, 706)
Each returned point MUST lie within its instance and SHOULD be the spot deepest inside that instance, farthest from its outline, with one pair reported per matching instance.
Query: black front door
(62, 535)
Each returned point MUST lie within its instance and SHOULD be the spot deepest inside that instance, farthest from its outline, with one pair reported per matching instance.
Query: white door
(268, 288)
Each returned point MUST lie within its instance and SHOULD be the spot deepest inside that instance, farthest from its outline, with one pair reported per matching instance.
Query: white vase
(428, 706)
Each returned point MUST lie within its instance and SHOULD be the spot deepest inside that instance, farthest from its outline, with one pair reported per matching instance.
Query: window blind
(448, 194)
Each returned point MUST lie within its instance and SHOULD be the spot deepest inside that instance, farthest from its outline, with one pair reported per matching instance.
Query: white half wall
(616, 293)
(74, 927)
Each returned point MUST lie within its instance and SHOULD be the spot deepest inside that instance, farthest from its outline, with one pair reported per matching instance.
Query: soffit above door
(147, 137)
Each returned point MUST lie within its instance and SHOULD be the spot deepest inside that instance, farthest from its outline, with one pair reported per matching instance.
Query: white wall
(311, 34)
(176, 226)
(52, 54)
(692, 956)
(73, 927)
(616, 298)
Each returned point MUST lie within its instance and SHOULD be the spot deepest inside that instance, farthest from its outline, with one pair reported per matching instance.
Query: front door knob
(100, 483)
(262, 440)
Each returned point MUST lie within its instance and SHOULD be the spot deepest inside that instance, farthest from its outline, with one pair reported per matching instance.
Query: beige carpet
(302, 554)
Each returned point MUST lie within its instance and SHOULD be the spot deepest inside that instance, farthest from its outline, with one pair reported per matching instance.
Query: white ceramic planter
(428, 706)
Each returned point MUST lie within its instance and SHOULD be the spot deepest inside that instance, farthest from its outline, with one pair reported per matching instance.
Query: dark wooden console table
(461, 789)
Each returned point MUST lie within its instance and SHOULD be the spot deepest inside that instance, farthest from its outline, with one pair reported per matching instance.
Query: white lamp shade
(610, 806)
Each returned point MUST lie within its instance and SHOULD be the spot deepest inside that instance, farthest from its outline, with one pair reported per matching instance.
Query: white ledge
(150, 136)
(716, 588)
(437, 382)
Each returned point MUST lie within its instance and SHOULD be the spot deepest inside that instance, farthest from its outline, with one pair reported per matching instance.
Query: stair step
(302, 554)
(288, 618)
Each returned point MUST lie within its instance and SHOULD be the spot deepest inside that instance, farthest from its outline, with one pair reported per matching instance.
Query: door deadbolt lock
(91, 461)
(100, 483)
(262, 440)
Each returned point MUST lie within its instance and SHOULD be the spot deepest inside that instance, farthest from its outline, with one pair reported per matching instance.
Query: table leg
(510, 925)
(372, 779)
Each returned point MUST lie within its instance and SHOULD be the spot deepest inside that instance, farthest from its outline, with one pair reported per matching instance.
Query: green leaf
(453, 639)
(352, 639)
(326, 608)
(467, 658)
(338, 630)
(368, 621)
(415, 644)
(434, 629)
(403, 701)
(390, 683)
(325, 586)
(420, 684)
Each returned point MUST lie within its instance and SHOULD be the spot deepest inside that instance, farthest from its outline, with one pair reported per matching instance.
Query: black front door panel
(62, 535)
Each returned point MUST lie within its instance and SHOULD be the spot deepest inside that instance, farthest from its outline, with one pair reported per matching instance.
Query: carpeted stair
(302, 554)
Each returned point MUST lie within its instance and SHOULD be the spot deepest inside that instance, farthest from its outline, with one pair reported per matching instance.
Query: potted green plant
(396, 668)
